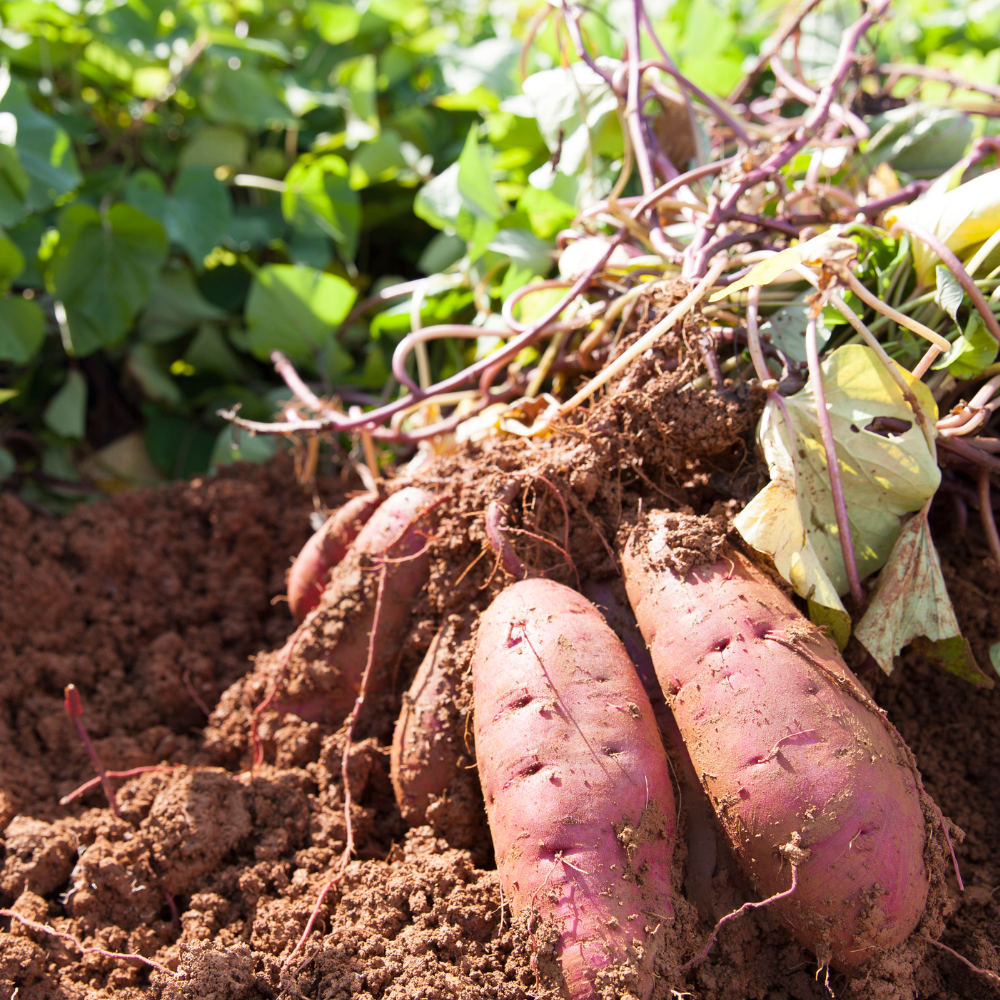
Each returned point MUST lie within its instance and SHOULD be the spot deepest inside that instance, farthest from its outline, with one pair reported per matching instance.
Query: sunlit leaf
(949, 294)
(974, 350)
(820, 248)
(103, 270)
(885, 475)
(295, 309)
(318, 199)
(571, 106)
(911, 601)
(44, 148)
(475, 180)
(961, 218)
(198, 213)
(921, 139)
(336, 23)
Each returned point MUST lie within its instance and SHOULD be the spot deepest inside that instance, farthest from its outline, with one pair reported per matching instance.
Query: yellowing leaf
(960, 218)
(819, 248)
(886, 470)
(912, 602)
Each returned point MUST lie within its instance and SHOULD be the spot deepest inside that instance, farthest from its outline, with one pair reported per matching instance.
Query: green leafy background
(186, 186)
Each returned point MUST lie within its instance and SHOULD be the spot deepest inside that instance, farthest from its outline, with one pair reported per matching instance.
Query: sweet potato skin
(575, 781)
(331, 657)
(786, 741)
(310, 572)
(427, 745)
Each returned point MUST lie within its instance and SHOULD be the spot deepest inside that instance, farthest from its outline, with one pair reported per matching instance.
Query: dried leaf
(886, 467)
(911, 602)
(820, 248)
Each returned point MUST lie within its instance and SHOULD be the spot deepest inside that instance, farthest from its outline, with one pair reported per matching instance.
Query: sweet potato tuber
(329, 661)
(310, 572)
(575, 781)
(427, 747)
(801, 765)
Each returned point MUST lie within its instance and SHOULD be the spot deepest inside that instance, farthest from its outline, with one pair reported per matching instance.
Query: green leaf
(22, 330)
(11, 261)
(66, 414)
(295, 309)
(475, 180)
(8, 463)
(377, 161)
(949, 294)
(210, 352)
(175, 306)
(884, 477)
(147, 192)
(6, 395)
(215, 147)
(920, 139)
(179, 447)
(961, 218)
(233, 445)
(198, 213)
(572, 105)
(995, 656)
(910, 602)
(146, 368)
(318, 199)
(43, 147)
(786, 329)
(837, 623)
(335, 23)
(439, 201)
(546, 210)
(103, 270)
(14, 184)
(242, 96)
(974, 350)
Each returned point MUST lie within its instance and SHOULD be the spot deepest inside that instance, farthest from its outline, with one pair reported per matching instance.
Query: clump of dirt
(154, 602)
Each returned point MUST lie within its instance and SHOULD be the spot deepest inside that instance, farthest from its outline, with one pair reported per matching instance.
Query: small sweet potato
(427, 745)
(800, 764)
(576, 784)
(310, 572)
(325, 673)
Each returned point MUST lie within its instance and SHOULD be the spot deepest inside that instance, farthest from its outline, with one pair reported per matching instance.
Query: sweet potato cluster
(575, 695)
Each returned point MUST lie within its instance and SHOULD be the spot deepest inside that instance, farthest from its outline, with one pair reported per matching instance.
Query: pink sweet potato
(325, 673)
(310, 572)
(799, 762)
(576, 784)
(427, 747)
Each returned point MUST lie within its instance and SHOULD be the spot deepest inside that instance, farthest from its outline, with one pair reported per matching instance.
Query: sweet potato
(325, 673)
(310, 572)
(575, 781)
(427, 746)
(700, 827)
(799, 762)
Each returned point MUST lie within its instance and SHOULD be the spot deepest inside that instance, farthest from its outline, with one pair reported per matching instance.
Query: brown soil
(155, 601)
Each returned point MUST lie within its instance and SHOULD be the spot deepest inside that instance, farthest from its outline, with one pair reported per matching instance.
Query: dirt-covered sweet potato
(310, 572)
(329, 660)
(430, 764)
(699, 826)
(576, 784)
(799, 762)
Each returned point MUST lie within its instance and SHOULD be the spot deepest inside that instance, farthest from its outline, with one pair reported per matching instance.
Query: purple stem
(370, 420)
(833, 466)
(74, 709)
(698, 252)
(907, 193)
(955, 266)
(717, 109)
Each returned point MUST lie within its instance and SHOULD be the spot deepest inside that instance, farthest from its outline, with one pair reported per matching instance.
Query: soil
(161, 606)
